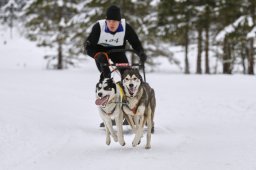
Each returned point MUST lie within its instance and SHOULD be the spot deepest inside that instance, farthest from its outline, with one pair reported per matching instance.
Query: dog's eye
(107, 88)
(134, 78)
(126, 79)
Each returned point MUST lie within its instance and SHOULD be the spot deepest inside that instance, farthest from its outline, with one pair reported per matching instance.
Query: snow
(48, 119)
(231, 28)
(154, 2)
(9, 4)
(251, 34)
(19, 52)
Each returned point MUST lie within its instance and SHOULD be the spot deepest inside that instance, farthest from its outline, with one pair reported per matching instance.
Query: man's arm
(133, 39)
(90, 44)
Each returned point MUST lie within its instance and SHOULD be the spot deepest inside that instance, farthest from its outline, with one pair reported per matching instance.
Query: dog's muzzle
(102, 101)
(131, 89)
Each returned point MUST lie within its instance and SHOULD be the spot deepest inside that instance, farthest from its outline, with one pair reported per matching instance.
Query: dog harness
(134, 109)
(110, 113)
(121, 91)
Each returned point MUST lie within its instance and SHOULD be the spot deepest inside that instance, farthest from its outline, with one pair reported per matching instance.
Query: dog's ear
(126, 72)
(137, 73)
(140, 77)
(101, 77)
(111, 83)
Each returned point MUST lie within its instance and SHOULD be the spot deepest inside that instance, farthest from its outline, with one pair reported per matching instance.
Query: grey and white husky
(140, 107)
(109, 102)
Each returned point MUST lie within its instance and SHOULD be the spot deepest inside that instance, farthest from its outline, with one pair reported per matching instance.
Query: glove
(100, 57)
(143, 57)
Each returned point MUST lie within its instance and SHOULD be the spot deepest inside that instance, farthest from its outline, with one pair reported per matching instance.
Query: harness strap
(110, 112)
(135, 108)
(121, 91)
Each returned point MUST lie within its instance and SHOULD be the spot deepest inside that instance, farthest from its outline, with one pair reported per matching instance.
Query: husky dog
(140, 107)
(109, 102)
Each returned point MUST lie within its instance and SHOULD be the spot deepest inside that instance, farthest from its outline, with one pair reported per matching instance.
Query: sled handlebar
(123, 65)
(126, 65)
(121, 50)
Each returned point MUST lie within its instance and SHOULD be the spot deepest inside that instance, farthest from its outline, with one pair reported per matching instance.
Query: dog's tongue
(101, 101)
(131, 91)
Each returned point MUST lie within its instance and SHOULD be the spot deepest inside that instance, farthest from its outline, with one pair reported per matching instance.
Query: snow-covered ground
(48, 119)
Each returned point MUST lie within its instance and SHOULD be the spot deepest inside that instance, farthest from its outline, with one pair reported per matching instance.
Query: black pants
(115, 57)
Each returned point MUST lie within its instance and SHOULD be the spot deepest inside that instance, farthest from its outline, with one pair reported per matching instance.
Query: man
(112, 33)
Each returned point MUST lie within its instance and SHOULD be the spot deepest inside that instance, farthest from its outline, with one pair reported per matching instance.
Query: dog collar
(110, 113)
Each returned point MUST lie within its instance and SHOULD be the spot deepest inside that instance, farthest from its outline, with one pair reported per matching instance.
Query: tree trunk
(199, 51)
(251, 58)
(207, 68)
(11, 20)
(244, 53)
(186, 50)
(226, 57)
(60, 65)
(243, 64)
(251, 41)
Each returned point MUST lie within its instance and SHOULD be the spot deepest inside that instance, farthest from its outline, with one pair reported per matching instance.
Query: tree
(10, 14)
(252, 13)
(203, 24)
(176, 21)
(236, 24)
(46, 23)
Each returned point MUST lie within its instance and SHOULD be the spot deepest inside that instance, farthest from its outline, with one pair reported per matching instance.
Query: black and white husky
(140, 105)
(109, 102)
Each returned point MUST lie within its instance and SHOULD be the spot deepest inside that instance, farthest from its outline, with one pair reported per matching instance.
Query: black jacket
(92, 47)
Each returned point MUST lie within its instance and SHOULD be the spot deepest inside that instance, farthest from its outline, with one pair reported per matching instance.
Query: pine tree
(81, 22)
(10, 14)
(235, 22)
(203, 23)
(251, 53)
(46, 23)
(176, 23)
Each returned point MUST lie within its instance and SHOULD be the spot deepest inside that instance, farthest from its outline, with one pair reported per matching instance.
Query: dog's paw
(122, 144)
(135, 143)
(147, 147)
(139, 142)
(121, 141)
(108, 142)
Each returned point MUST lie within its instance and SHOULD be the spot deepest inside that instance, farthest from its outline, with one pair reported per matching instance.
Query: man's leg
(100, 60)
